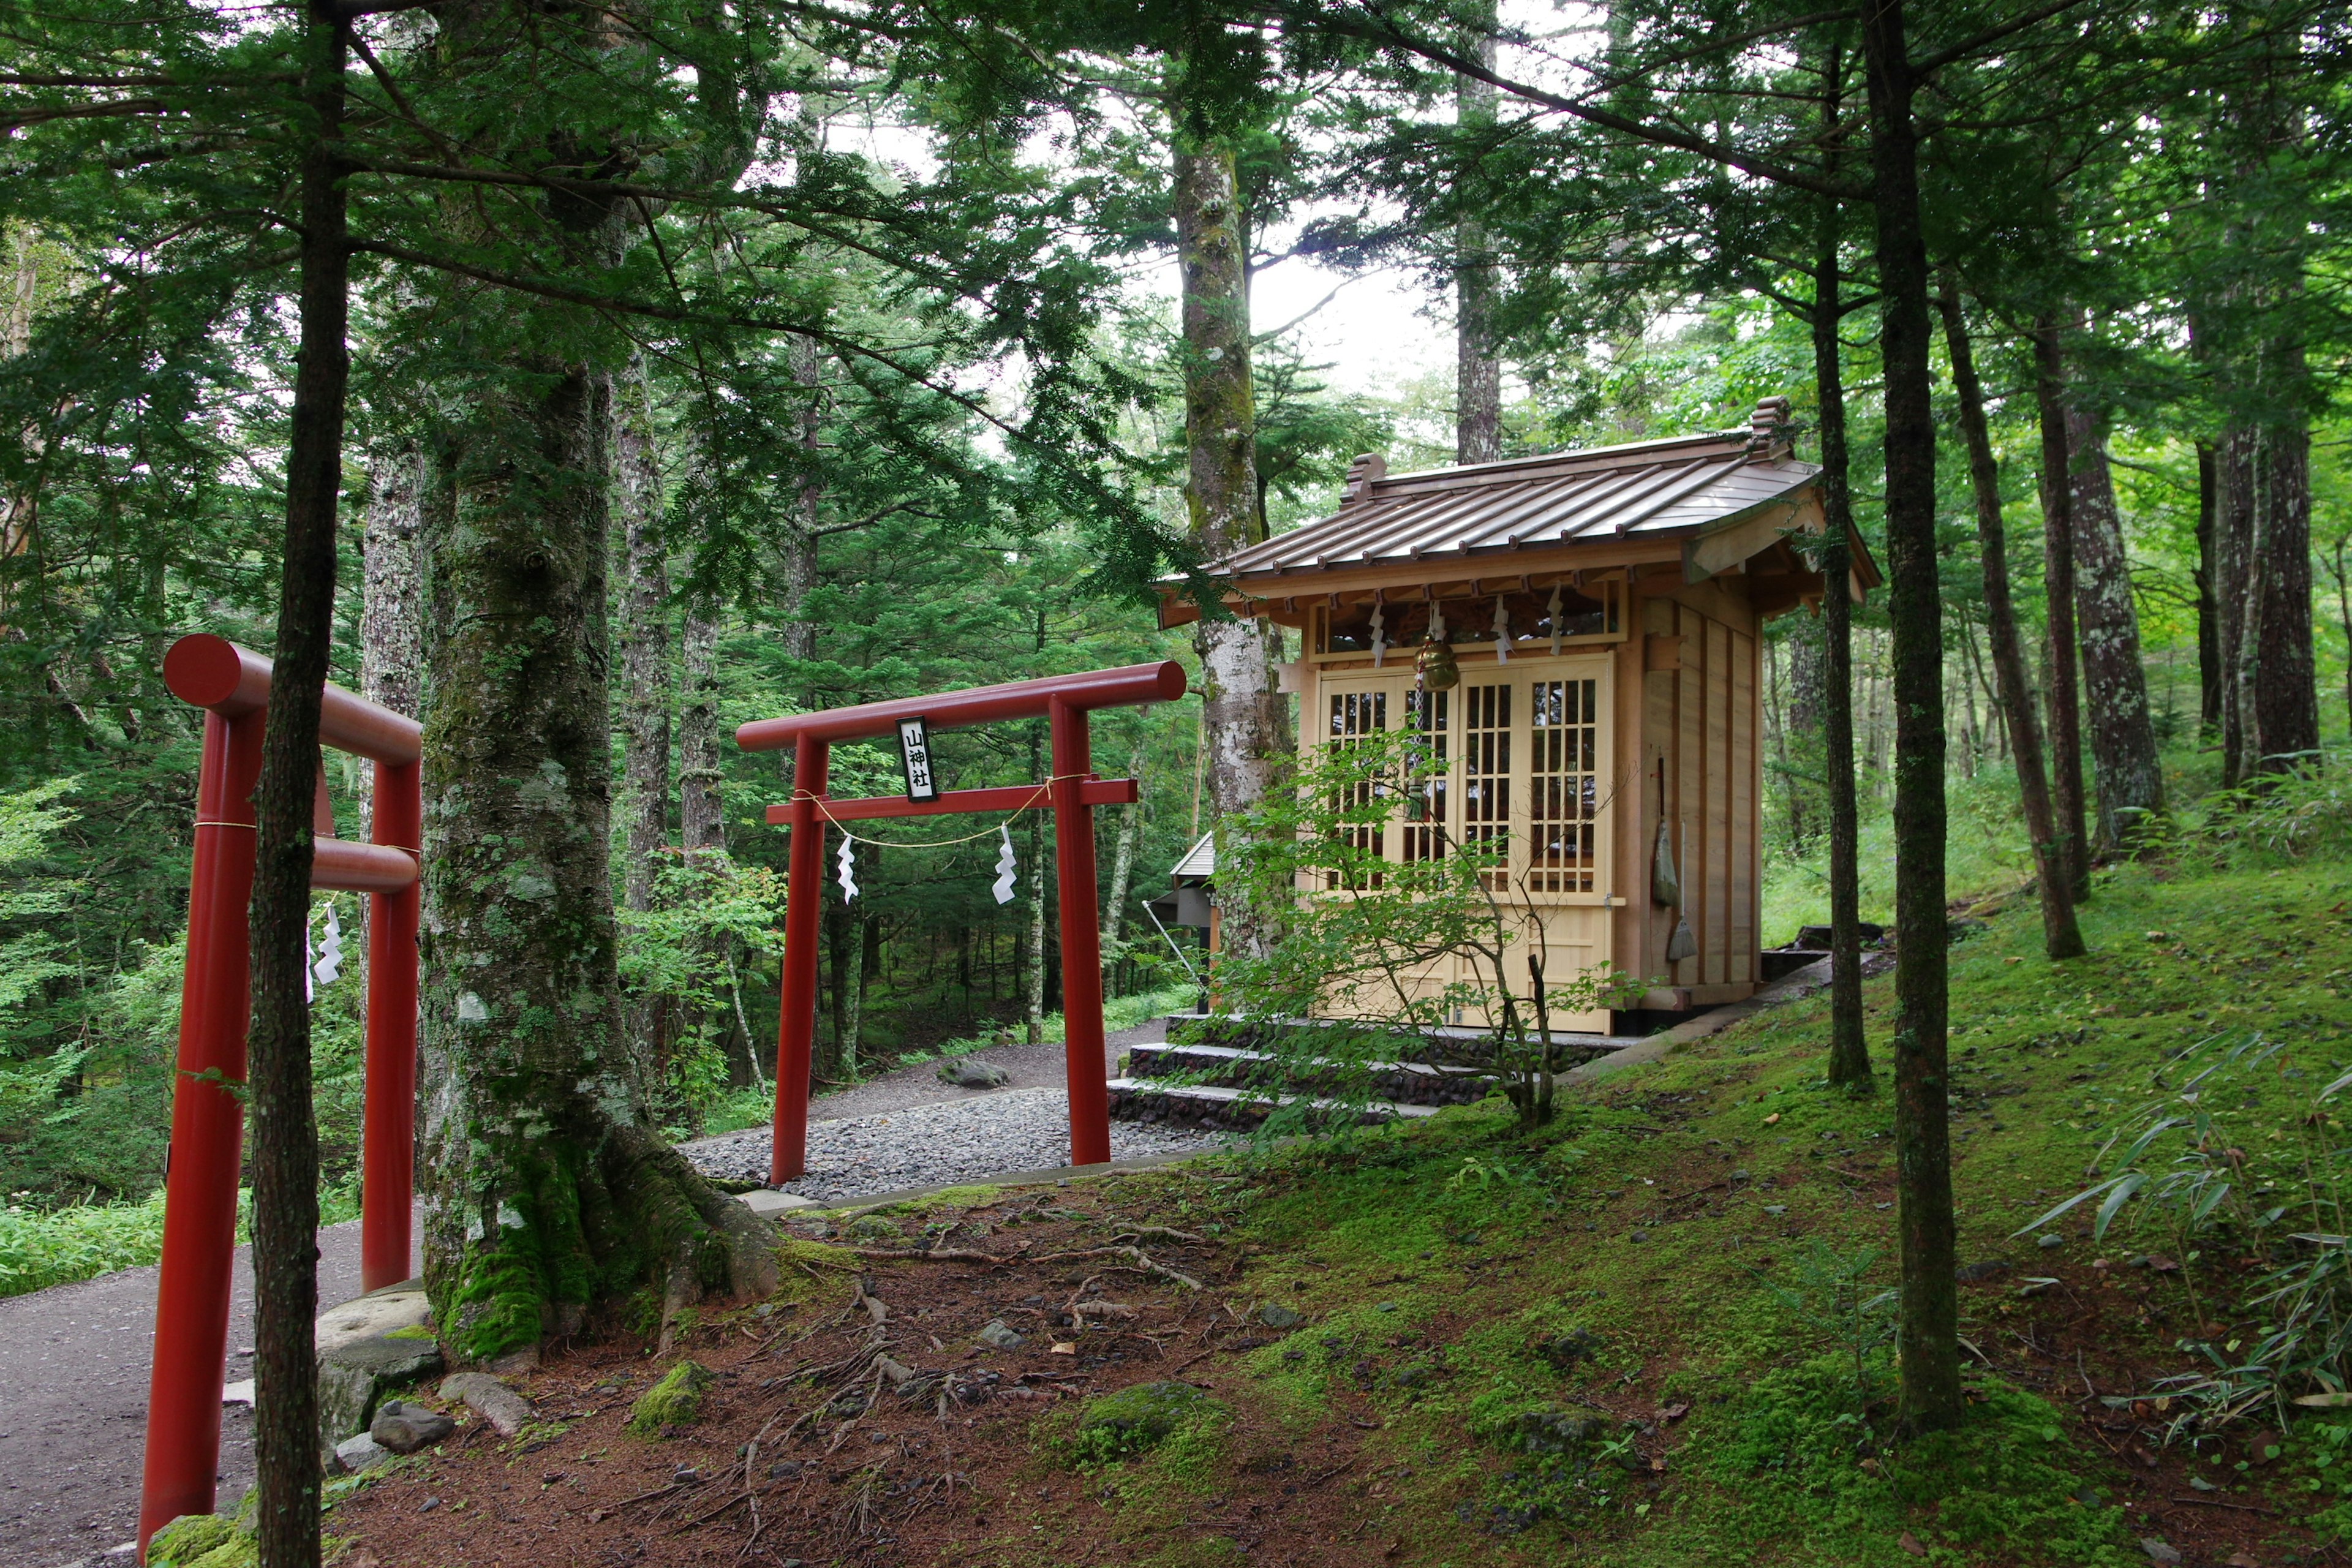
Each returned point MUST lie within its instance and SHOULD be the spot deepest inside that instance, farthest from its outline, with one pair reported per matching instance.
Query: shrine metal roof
(1645, 487)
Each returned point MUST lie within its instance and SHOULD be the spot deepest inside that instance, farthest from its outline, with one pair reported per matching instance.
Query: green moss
(675, 1401)
(1135, 1420)
(418, 1332)
(203, 1540)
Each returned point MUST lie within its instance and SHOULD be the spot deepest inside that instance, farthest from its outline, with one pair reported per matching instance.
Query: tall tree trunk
(1848, 1063)
(549, 1189)
(1930, 1312)
(391, 596)
(1478, 370)
(1122, 861)
(2061, 689)
(645, 705)
(1243, 714)
(701, 814)
(2287, 699)
(2344, 618)
(2062, 936)
(278, 1052)
(2115, 686)
(801, 538)
(1803, 734)
(391, 645)
(2209, 592)
(1033, 942)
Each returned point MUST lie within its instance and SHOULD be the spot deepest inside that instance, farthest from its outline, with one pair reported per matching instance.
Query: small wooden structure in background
(1604, 607)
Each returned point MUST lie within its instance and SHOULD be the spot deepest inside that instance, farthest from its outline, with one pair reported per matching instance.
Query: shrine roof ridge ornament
(1126, 687)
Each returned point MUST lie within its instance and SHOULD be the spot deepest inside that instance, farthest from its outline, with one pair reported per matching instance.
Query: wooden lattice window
(1425, 817)
(1354, 716)
(1563, 785)
(1486, 776)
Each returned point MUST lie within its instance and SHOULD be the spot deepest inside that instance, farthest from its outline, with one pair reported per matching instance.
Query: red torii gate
(232, 684)
(1072, 791)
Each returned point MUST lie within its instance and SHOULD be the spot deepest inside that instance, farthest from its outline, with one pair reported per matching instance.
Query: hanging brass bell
(1434, 668)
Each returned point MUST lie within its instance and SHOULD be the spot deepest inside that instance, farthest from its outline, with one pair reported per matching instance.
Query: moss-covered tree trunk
(1242, 716)
(2062, 688)
(549, 1193)
(549, 1190)
(2115, 686)
(644, 697)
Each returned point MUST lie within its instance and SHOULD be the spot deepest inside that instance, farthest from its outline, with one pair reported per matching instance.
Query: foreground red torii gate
(1072, 791)
(232, 684)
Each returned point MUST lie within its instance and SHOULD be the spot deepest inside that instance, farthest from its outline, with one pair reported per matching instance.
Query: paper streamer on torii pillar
(848, 870)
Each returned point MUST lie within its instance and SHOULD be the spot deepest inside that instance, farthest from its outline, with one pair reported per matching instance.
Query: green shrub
(38, 1251)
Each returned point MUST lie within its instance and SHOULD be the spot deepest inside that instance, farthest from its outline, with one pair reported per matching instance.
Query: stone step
(1231, 1066)
(1441, 1047)
(1230, 1110)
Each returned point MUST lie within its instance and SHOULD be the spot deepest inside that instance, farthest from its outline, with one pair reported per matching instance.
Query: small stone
(428, 1505)
(404, 1427)
(506, 1411)
(685, 1474)
(1639, 1236)
(1776, 1208)
(1566, 1349)
(999, 1336)
(2050, 1243)
(361, 1453)
(768, 1201)
(1275, 1315)
(2160, 1551)
(1978, 1273)
(1385, 1307)
(965, 1072)
(784, 1470)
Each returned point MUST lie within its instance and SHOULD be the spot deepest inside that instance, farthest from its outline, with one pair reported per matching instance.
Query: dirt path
(73, 1403)
(74, 1360)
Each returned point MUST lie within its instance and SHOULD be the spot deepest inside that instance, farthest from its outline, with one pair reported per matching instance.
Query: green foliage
(1833, 1293)
(1361, 935)
(2200, 1162)
(39, 1249)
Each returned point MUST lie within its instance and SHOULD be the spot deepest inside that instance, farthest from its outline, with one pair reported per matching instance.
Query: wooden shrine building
(1605, 609)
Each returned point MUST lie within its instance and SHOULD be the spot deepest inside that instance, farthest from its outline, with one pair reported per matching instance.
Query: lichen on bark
(1245, 726)
(547, 1191)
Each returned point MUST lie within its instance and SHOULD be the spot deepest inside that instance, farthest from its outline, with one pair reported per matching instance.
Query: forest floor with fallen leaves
(1652, 1333)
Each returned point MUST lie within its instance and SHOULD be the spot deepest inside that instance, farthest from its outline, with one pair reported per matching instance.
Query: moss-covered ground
(1653, 1333)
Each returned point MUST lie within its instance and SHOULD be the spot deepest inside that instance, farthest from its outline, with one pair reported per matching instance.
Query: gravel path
(988, 1134)
(1029, 1066)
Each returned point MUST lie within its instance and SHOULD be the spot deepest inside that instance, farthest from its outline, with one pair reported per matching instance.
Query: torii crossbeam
(1072, 791)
